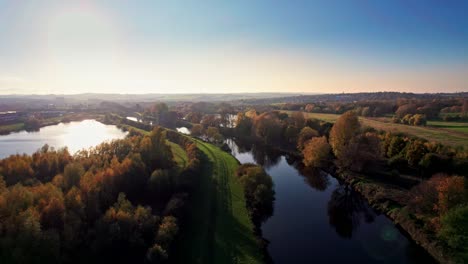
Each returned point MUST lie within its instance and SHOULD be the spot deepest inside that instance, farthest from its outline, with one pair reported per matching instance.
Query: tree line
(121, 201)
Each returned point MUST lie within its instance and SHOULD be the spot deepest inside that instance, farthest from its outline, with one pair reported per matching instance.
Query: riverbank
(390, 200)
(20, 126)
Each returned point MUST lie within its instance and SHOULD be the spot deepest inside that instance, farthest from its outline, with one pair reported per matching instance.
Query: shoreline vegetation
(40, 123)
(384, 198)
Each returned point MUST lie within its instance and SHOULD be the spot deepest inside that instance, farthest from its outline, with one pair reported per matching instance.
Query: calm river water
(74, 135)
(317, 219)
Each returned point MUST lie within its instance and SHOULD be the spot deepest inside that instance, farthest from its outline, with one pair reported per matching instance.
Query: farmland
(449, 133)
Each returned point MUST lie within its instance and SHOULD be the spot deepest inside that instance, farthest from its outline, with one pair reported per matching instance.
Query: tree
(196, 130)
(306, 134)
(259, 193)
(167, 231)
(396, 145)
(418, 120)
(362, 149)
(345, 128)
(309, 108)
(298, 119)
(316, 152)
(72, 174)
(243, 124)
(454, 230)
(160, 182)
(415, 150)
(211, 132)
(268, 128)
(405, 110)
(465, 107)
(451, 192)
(156, 254)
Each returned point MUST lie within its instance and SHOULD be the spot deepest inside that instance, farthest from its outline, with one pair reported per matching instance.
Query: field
(455, 126)
(448, 133)
(5, 129)
(220, 230)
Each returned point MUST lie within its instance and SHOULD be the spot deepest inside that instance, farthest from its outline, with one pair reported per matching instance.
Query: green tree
(454, 231)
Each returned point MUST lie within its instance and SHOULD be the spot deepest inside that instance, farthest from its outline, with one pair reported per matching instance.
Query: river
(317, 219)
(74, 135)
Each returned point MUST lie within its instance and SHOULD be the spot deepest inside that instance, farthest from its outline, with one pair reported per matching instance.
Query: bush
(454, 230)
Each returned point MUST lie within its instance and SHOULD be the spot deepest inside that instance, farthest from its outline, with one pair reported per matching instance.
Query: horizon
(114, 47)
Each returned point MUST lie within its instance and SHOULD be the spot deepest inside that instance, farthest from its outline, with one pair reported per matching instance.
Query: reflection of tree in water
(346, 209)
(315, 178)
(265, 157)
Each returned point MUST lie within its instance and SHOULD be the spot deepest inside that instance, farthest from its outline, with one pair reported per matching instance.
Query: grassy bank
(220, 230)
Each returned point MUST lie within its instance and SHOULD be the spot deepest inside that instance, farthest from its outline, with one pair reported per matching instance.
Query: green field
(448, 133)
(455, 126)
(220, 230)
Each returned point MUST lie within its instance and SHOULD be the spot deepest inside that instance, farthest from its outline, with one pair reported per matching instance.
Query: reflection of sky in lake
(183, 130)
(318, 220)
(74, 135)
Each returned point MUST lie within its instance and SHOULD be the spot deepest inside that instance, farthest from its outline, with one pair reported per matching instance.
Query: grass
(220, 230)
(448, 133)
(320, 116)
(180, 156)
(4, 129)
(446, 137)
(455, 126)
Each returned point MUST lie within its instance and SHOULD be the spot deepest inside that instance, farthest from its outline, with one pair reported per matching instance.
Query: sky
(69, 47)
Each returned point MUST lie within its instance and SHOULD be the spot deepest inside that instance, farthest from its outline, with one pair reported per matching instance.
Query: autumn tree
(306, 134)
(316, 152)
(343, 131)
(243, 124)
(72, 174)
(268, 128)
(298, 119)
(196, 130)
(405, 110)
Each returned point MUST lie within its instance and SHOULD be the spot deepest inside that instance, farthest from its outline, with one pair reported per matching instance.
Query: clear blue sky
(233, 46)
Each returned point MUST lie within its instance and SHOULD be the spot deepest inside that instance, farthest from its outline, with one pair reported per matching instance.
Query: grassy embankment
(448, 133)
(220, 230)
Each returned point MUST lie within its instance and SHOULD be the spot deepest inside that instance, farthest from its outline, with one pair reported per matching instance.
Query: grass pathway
(220, 230)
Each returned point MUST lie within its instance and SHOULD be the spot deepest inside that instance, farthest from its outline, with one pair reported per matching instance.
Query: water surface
(74, 135)
(317, 219)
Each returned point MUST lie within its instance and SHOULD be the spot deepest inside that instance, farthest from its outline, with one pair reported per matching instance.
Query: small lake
(74, 135)
(317, 219)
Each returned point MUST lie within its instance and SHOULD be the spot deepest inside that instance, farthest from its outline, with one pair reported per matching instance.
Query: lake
(74, 135)
(317, 219)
